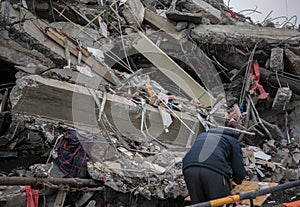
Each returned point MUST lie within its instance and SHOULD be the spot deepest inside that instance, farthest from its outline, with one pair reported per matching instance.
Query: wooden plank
(29, 22)
(174, 72)
(96, 66)
(162, 24)
(248, 186)
(237, 35)
(35, 28)
(60, 37)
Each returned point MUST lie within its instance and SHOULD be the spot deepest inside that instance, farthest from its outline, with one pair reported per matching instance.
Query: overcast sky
(286, 8)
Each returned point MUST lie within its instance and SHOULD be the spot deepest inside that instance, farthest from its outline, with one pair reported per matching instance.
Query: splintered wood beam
(237, 35)
(174, 72)
(55, 41)
(96, 66)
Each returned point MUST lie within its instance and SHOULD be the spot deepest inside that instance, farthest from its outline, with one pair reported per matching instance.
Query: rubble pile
(137, 81)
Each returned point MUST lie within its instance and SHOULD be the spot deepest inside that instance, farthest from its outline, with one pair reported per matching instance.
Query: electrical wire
(121, 35)
(252, 11)
(113, 56)
(243, 91)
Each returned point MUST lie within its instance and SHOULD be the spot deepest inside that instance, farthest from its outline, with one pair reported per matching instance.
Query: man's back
(218, 150)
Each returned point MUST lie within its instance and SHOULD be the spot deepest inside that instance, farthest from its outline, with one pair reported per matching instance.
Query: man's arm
(237, 163)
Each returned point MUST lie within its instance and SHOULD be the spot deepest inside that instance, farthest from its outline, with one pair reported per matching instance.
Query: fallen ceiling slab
(237, 35)
(165, 64)
(75, 105)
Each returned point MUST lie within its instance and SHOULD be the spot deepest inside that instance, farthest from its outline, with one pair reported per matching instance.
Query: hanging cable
(122, 40)
(243, 91)
(113, 56)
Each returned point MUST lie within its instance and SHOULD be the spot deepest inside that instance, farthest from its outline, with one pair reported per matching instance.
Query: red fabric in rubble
(32, 197)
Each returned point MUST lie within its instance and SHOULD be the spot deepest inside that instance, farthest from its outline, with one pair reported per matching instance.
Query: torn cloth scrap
(72, 159)
(32, 197)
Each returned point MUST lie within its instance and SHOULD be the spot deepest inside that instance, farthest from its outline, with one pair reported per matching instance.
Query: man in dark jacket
(214, 160)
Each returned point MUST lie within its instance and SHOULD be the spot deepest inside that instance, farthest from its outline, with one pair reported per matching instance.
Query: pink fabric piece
(32, 197)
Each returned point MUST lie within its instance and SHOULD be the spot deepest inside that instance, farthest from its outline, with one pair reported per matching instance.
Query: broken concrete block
(276, 60)
(294, 127)
(235, 35)
(134, 12)
(274, 130)
(162, 23)
(184, 16)
(261, 155)
(296, 157)
(12, 51)
(87, 36)
(213, 14)
(291, 174)
(181, 26)
(294, 84)
(282, 97)
(165, 64)
(293, 62)
(75, 104)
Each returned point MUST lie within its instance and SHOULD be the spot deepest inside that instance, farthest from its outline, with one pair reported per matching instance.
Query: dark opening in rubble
(7, 75)
(7, 81)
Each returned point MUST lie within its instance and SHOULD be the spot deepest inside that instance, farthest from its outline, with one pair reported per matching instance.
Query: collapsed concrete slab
(13, 52)
(111, 134)
(75, 105)
(237, 35)
(173, 71)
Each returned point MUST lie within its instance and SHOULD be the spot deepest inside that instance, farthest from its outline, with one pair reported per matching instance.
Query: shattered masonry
(138, 81)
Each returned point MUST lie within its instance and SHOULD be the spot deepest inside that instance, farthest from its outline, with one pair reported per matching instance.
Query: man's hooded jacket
(219, 150)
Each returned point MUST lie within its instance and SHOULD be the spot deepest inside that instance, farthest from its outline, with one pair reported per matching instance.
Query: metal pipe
(247, 195)
(72, 182)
